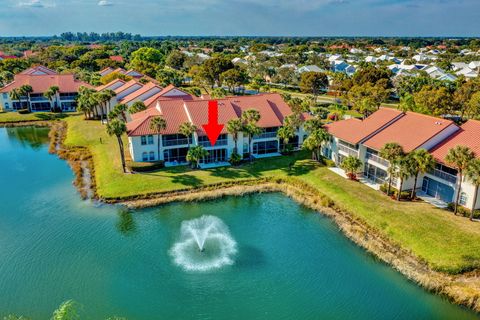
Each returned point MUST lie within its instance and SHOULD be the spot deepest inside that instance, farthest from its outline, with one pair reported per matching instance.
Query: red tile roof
(468, 136)
(152, 101)
(355, 130)
(116, 58)
(177, 111)
(411, 131)
(41, 83)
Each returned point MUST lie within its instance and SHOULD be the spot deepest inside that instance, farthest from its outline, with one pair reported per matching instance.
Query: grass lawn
(446, 242)
(6, 117)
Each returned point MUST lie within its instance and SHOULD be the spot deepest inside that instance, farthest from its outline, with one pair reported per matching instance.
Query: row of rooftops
(409, 129)
(271, 107)
(41, 78)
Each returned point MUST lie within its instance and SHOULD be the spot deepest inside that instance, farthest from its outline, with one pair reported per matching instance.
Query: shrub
(462, 211)
(23, 111)
(235, 159)
(145, 166)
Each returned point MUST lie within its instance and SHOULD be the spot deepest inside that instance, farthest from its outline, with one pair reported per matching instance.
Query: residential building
(365, 138)
(41, 79)
(174, 147)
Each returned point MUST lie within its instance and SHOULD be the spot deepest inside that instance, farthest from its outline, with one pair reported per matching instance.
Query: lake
(288, 262)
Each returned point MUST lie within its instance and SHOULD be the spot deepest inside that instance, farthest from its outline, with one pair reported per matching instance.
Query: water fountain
(205, 243)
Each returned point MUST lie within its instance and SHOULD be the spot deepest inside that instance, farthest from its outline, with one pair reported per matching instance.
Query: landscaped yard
(446, 242)
(6, 117)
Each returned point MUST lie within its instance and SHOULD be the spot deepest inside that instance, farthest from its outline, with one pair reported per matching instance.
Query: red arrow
(212, 128)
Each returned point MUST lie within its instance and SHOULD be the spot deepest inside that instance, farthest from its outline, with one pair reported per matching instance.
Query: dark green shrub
(235, 159)
(145, 166)
(23, 111)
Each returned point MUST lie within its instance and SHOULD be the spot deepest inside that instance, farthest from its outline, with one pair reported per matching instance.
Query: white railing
(348, 150)
(377, 159)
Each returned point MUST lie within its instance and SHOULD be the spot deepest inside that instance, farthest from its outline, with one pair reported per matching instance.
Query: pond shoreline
(461, 289)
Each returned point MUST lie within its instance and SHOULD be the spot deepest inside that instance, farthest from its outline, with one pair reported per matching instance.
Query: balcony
(265, 135)
(38, 98)
(175, 142)
(377, 159)
(207, 144)
(68, 97)
(443, 175)
(348, 150)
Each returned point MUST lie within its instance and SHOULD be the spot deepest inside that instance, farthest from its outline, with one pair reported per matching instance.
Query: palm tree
(391, 152)
(137, 106)
(118, 128)
(158, 124)
(315, 141)
(195, 154)
(86, 101)
(473, 174)
(25, 90)
(16, 95)
(50, 94)
(110, 94)
(234, 127)
(459, 157)
(102, 97)
(403, 170)
(422, 162)
(187, 129)
(351, 164)
(285, 133)
(249, 119)
(119, 111)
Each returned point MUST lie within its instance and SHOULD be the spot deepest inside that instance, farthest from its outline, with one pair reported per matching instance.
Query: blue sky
(243, 17)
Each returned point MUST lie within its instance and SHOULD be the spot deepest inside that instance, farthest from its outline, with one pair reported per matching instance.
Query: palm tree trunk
(235, 140)
(122, 154)
(389, 184)
(399, 193)
(413, 195)
(459, 189)
(158, 146)
(474, 202)
(250, 148)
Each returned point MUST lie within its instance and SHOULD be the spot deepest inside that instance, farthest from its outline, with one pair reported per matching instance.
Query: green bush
(23, 111)
(235, 159)
(405, 195)
(462, 211)
(145, 166)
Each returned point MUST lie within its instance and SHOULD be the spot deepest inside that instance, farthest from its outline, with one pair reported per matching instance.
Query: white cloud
(105, 3)
(36, 4)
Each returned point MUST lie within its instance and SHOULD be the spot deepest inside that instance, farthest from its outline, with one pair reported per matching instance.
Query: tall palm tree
(117, 128)
(25, 90)
(285, 133)
(403, 170)
(102, 97)
(16, 95)
(110, 94)
(195, 154)
(86, 101)
(315, 141)
(391, 152)
(234, 127)
(187, 129)
(422, 162)
(119, 111)
(158, 124)
(249, 119)
(51, 94)
(460, 158)
(473, 174)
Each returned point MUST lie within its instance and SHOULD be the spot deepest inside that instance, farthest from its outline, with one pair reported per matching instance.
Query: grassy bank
(10, 117)
(444, 241)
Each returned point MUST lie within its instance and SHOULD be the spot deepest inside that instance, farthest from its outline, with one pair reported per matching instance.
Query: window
(150, 139)
(5, 96)
(144, 156)
(7, 106)
(463, 199)
(152, 156)
(144, 140)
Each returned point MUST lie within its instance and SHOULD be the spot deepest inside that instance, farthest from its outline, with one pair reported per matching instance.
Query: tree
(218, 93)
(434, 101)
(422, 162)
(25, 90)
(234, 77)
(249, 119)
(366, 98)
(86, 101)
(169, 76)
(403, 169)
(234, 127)
(187, 129)
(16, 95)
(473, 174)
(473, 106)
(137, 106)
(313, 82)
(391, 152)
(117, 128)
(157, 125)
(119, 111)
(51, 94)
(285, 133)
(373, 75)
(464, 100)
(351, 164)
(459, 157)
(315, 141)
(407, 103)
(213, 68)
(175, 59)
(285, 76)
(195, 154)
(146, 60)
(113, 76)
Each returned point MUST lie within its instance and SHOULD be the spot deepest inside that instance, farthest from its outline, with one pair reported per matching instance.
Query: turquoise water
(290, 263)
